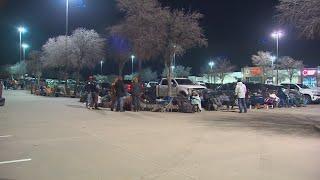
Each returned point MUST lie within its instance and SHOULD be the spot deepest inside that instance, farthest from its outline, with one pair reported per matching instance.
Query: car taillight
(129, 87)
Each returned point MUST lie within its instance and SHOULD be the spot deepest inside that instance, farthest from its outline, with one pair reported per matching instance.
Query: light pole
(277, 35)
(132, 59)
(67, 17)
(174, 55)
(21, 30)
(211, 64)
(101, 64)
(24, 47)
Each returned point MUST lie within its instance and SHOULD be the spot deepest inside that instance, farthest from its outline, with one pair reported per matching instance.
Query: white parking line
(5, 136)
(15, 161)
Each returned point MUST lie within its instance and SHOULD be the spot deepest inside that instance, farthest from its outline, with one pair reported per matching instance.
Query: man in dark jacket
(90, 89)
(120, 93)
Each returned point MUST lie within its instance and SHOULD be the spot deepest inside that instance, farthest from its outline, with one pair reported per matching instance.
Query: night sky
(235, 29)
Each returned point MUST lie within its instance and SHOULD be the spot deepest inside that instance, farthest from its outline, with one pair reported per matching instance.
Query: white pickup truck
(180, 86)
(310, 94)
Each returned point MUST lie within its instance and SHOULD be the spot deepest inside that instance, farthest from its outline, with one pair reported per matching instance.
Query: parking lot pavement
(57, 138)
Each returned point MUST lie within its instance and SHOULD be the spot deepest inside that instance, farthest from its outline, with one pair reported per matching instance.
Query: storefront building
(311, 77)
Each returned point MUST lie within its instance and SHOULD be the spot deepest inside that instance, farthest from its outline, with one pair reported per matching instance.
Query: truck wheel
(307, 99)
(183, 94)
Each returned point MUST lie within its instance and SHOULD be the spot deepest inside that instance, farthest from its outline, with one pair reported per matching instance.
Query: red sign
(309, 72)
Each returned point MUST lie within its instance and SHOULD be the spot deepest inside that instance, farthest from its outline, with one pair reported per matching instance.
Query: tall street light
(101, 64)
(277, 35)
(211, 64)
(21, 30)
(67, 17)
(24, 47)
(132, 59)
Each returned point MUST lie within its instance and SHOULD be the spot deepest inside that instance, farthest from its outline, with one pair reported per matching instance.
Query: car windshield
(184, 82)
(303, 86)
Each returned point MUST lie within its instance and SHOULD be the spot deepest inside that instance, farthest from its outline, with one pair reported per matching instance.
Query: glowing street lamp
(24, 47)
(132, 59)
(21, 30)
(101, 65)
(211, 64)
(273, 59)
(277, 35)
(67, 17)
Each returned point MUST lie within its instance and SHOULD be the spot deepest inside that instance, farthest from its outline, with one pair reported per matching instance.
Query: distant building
(306, 76)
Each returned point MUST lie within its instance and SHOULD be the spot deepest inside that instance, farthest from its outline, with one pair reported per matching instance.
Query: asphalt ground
(44, 138)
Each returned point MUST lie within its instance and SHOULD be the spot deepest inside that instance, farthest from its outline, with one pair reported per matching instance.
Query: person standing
(90, 89)
(136, 92)
(1, 89)
(120, 93)
(240, 92)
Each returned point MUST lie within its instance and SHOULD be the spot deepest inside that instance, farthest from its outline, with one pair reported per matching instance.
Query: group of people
(118, 93)
(268, 98)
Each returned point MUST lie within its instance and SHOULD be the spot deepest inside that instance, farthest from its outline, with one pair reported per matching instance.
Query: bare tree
(148, 75)
(291, 65)
(302, 14)
(157, 31)
(182, 32)
(263, 60)
(222, 68)
(55, 55)
(18, 69)
(34, 64)
(141, 27)
(119, 49)
(84, 48)
(87, 49)
(179, 71)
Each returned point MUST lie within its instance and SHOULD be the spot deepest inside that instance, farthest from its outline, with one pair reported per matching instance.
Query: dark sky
(236, 29)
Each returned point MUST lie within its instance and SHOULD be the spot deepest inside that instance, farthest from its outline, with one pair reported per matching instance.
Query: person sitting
(196, 100)
(283, 98)
(272, 100)
(225, 100)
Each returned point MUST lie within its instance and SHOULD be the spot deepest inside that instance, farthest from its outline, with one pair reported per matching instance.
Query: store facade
(311, 77)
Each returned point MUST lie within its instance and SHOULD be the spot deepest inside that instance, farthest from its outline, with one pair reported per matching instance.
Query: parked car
(201, 83)
(151, 84)
(180, 86)
(310, 95)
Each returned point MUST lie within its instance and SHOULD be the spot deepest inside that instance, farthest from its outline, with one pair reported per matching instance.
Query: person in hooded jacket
(240, 92)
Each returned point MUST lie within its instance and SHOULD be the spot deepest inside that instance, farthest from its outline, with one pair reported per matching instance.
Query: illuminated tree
(263, 60)
(222, 67)
(291, 65)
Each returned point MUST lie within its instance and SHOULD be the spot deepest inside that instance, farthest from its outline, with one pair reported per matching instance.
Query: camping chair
(166, 104)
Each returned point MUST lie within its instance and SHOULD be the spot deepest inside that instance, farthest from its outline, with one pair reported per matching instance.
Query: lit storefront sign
(310, 72)
(253, 71)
